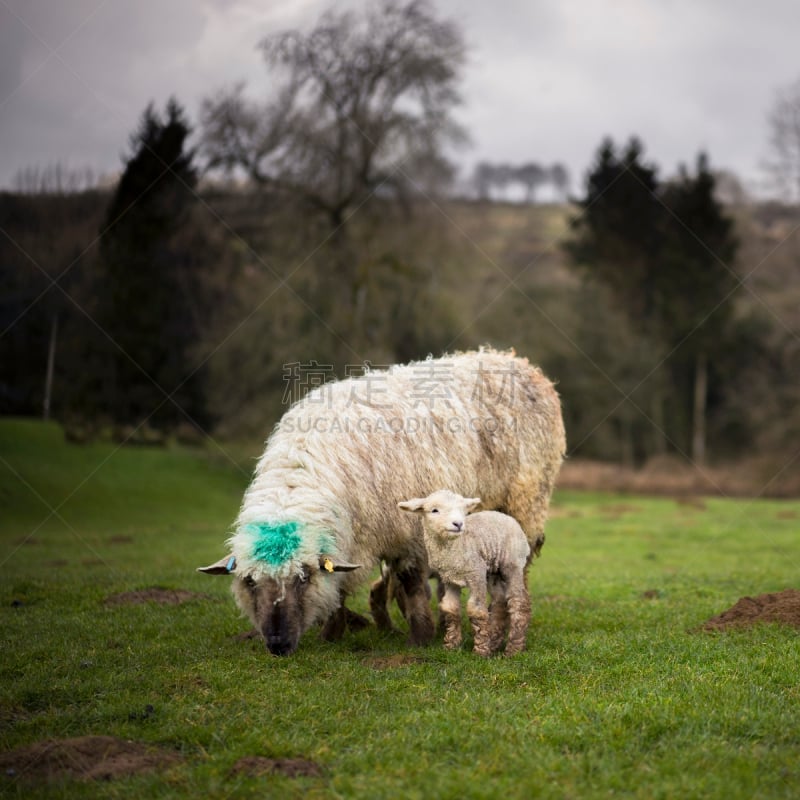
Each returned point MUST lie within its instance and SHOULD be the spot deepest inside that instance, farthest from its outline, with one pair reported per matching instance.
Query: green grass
(617, 694)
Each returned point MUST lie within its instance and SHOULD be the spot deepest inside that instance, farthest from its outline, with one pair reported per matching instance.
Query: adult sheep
(321, 510)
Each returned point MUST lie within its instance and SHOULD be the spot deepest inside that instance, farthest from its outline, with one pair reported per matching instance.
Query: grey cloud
(544, 81)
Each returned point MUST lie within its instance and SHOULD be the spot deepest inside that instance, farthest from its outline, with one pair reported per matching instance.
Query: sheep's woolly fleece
(336, 463)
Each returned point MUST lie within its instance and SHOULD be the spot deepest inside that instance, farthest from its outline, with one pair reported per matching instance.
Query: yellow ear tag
(328, 564)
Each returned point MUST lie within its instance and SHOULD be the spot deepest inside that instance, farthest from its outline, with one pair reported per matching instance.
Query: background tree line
(324, 228)
(491, 180)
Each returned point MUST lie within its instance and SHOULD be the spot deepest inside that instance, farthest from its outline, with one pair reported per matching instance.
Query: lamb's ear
(327, 564)
(472, 503)
(412, 505)
(225, 566)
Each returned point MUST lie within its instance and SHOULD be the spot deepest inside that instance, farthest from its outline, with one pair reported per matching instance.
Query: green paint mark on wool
(275, 544)
(325, 543)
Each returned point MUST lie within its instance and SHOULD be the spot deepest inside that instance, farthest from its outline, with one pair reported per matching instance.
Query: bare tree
(363, 104)
(531, 176)
(503, 175)
(784, 123)
(482, 178)
(55, 178)
(359, 117)
(559, 177)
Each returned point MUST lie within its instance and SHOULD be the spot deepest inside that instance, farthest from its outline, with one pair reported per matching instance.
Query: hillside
(268, 289)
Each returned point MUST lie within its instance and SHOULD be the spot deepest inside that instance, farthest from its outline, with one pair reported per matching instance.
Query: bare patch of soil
(257, 766)
(671, 476)
(788, 514)
(392, 662)
(90, 758)
(691, 501)
(155, 594)
(782, 607)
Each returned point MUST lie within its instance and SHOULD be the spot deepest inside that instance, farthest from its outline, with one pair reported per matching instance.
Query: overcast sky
(546, 79)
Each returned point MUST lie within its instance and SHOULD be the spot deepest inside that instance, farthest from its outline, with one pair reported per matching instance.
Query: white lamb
(486, 551)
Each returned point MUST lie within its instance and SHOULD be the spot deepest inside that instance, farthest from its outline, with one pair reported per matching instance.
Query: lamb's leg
(440, 588)
(519, 609)
(479, 619)
(417, 606)
(450, 616)
(498, 613)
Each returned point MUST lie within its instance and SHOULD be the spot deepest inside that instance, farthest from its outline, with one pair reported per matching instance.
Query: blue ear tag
(231, 564)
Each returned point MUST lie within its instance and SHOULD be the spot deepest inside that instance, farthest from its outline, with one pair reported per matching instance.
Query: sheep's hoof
(354, 621)
(333, 629)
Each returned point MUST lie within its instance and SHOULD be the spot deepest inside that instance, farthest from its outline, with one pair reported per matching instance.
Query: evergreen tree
(620, 228)
(696, 281)
(142, 305)
(665, 253)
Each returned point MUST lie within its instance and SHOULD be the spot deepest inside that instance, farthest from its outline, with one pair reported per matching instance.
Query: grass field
(616, 695)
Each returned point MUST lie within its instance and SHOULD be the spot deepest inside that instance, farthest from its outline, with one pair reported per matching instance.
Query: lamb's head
(279, 582)
(443, 513)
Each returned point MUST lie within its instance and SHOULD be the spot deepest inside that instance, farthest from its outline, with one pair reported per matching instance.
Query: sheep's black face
(276, 609)
(281, 611)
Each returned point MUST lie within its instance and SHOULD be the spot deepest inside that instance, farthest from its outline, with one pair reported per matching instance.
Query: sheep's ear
(225, 566)
(412, 505)
(472, 503)
(327, 564)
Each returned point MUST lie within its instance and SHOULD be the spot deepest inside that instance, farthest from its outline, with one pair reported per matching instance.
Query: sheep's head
(281, 586)
(443, 513)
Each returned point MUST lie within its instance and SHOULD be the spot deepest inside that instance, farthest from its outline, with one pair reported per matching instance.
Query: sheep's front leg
(450, 615)
(379, 602)
(417, 606)
(342, 618)
(479, 619)
(334, 626)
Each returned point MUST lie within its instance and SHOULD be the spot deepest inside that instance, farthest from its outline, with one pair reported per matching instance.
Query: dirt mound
(256, 766)
(90, 758)
(783, 607)
(155, 594)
